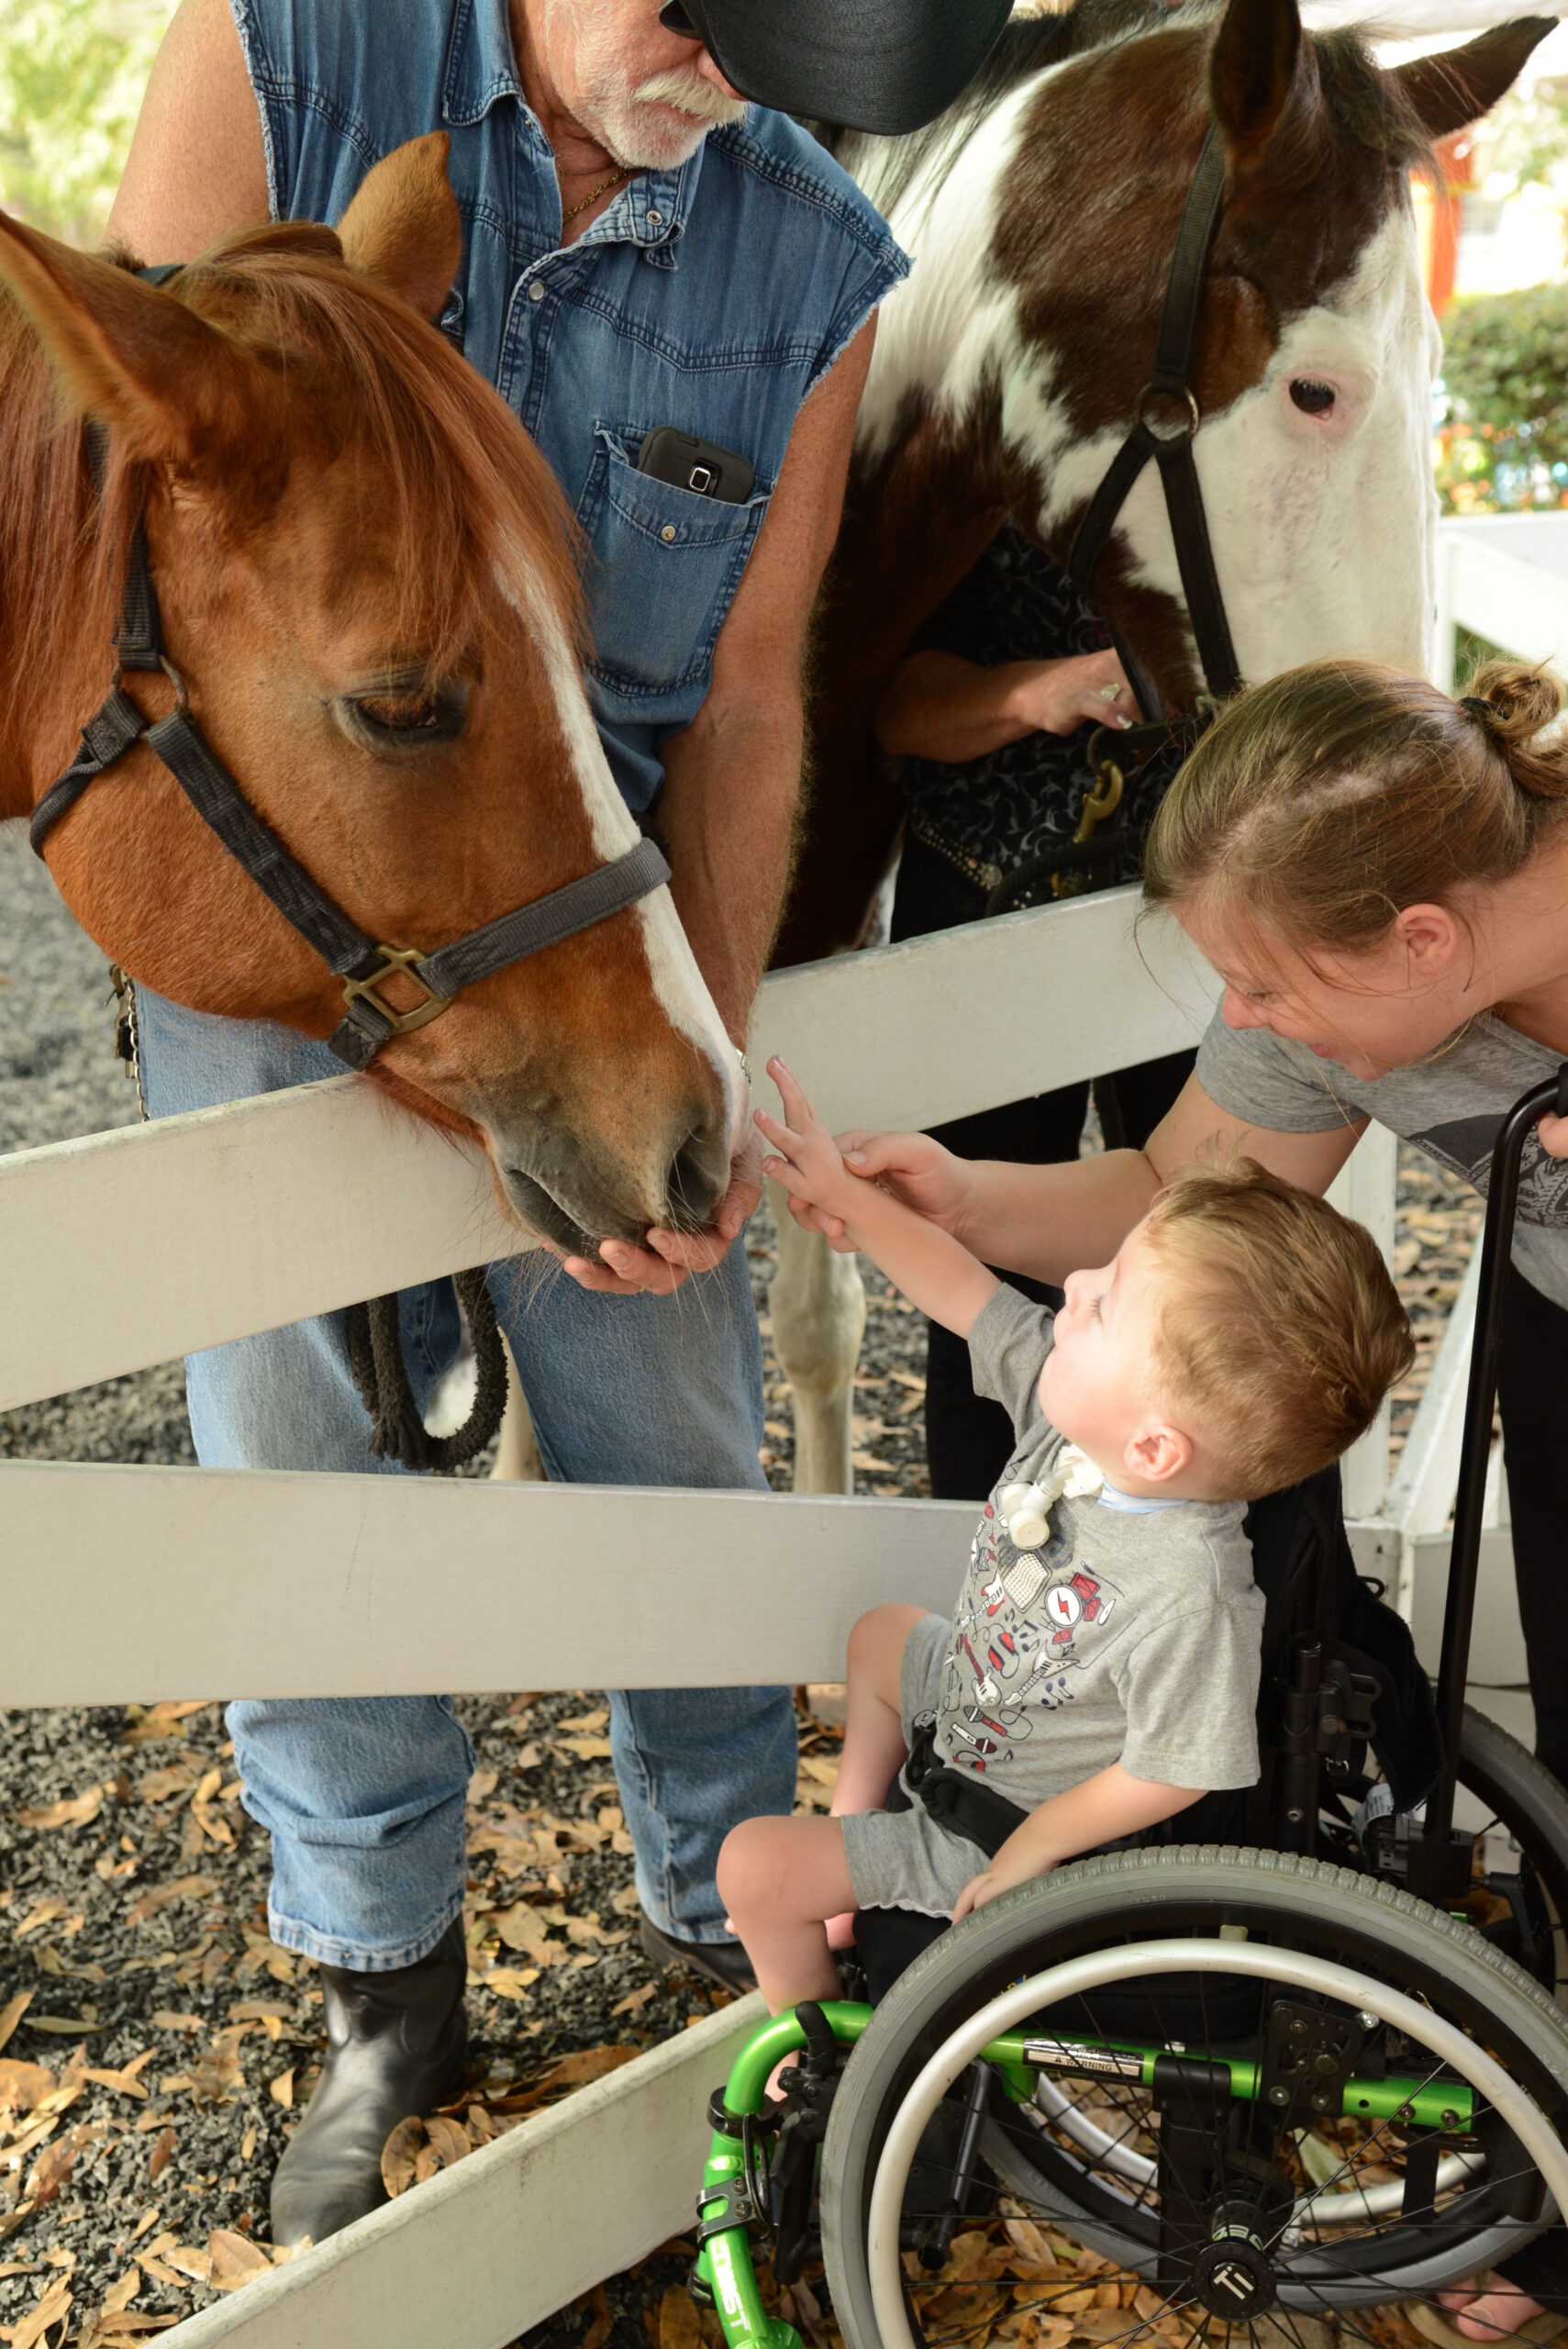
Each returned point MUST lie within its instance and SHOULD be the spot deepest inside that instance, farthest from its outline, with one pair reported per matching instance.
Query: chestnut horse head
(368, 580)
(1042, 214)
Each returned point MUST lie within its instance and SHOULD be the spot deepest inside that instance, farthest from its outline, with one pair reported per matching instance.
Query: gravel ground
(155, 2044)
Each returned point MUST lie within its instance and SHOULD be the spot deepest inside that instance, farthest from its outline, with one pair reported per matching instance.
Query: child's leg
(781, 1879)
(875, 1751)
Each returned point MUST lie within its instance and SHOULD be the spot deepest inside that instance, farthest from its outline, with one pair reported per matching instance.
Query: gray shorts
(905, 1859)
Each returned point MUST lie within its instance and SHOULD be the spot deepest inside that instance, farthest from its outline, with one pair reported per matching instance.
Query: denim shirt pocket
(664, 567)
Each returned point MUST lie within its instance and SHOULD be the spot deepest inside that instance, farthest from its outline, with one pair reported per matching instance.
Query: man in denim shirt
(641, 247)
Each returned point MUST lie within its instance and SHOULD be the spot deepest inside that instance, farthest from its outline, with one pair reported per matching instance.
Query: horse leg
(516, 1459)
(819, 1308)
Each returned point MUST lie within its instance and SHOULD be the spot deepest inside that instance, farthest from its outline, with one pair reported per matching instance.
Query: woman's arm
(1048, 1221)
(941, 706)
(1111, 1804)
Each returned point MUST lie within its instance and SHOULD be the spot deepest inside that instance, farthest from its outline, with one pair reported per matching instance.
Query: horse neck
(56, 621)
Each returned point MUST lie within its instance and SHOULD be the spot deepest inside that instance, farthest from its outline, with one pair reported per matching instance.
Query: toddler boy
(1101, 1671)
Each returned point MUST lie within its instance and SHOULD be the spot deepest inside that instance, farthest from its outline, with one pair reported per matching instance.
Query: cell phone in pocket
(701, 466)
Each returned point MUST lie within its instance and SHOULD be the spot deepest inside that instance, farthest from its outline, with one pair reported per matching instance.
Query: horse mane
(459, 484)
(1364, 102)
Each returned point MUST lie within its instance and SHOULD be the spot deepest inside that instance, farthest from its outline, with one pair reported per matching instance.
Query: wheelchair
(1313, 2065)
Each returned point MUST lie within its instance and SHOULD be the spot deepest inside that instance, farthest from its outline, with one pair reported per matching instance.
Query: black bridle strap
(368, 1021)
(1171, 378)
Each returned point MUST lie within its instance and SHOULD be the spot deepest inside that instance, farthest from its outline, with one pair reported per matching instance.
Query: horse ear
(128, 351)
(1253, 70)
(1459, 85)
(402, 226)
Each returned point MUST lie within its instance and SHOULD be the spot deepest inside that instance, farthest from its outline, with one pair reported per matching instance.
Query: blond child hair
(1277, 1325)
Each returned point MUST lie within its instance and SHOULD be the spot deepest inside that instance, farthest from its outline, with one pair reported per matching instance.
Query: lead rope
(399, 1431)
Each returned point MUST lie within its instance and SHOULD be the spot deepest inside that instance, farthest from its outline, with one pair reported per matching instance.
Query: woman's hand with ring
(1058, 696)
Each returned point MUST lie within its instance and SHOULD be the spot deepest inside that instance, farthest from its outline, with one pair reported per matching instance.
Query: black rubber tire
(1092, 1904)
(1528, 1802)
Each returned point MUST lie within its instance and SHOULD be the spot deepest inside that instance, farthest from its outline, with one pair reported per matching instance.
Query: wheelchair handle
(1475, 1446)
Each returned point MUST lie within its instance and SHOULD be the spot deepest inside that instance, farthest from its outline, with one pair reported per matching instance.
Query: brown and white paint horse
(368, 579)
(1041, 213)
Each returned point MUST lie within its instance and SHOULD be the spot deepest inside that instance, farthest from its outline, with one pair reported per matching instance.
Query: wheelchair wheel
(1520, 1899)
(1253, 2080)
(1519, 1892)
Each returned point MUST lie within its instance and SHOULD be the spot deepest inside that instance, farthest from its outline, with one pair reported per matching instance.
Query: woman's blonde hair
(1324, 802)
(1276, 1323)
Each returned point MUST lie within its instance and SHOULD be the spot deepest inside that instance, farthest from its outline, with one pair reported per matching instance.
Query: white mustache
(689, 90)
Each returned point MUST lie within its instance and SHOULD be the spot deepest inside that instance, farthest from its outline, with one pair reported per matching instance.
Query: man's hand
(671, 1257)
(809, 1162)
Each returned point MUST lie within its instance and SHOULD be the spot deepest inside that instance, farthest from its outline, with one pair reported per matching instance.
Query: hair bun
(1518, 700)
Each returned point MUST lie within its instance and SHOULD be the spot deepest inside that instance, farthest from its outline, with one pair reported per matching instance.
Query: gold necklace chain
(603, 189)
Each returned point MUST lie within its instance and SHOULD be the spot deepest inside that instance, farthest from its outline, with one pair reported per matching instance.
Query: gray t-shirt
(1130, 1636)
(1450, 1105)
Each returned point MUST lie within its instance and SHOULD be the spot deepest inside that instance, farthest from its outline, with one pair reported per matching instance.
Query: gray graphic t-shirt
(1131, 1636)
(1451, 1106)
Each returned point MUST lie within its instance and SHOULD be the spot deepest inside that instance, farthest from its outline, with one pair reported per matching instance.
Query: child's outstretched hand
(809, 1162)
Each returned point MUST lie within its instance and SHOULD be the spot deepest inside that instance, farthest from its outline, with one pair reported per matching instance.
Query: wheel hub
(1233, 2277)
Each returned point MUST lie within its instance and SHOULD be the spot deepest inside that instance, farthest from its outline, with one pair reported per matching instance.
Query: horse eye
(1312, 399)
(404, 721)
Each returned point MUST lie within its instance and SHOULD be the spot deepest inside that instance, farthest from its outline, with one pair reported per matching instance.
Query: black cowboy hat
(884, 65)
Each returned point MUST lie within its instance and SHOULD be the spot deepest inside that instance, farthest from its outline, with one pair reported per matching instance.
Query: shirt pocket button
(668, 534)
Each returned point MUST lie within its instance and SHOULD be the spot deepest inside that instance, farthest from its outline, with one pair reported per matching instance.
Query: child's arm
(1110, 1804)
(934, 1271)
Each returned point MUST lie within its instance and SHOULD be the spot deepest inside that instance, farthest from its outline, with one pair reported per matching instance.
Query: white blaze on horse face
(1322, 526)
(678, 985)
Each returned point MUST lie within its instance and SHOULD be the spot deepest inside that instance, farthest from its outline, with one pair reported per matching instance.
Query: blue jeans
(363, 1797)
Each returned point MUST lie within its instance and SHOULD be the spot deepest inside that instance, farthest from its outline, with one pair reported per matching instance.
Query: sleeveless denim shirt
(713, 298)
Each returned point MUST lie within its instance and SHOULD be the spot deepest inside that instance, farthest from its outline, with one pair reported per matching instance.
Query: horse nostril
(695, 1184)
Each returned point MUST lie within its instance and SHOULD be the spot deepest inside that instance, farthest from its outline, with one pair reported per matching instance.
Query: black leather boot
(396, 2044)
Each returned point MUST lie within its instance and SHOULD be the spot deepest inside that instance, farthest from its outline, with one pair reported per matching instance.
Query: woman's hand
(1058, 696)
(1553, 1132)
(944, 707)
(910, 1167)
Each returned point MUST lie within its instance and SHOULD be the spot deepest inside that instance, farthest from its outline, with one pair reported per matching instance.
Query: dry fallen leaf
(54, 2307)
(678, 2326)
(282, 2090)
(12, 2012)
(121, 2294)
(64, 2026)
(162, 2152)
(23, 2085)
(635, 2001)
(510, 1981)
(235, 2259)
(185, 1887)
(399, 2154)
(587, 1723)
(79, 1812)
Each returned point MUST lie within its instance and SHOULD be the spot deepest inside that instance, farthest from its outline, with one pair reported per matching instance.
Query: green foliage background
(71, 75)
(1504, 444)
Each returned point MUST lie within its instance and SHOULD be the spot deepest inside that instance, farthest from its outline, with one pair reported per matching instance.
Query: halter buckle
(409, 960)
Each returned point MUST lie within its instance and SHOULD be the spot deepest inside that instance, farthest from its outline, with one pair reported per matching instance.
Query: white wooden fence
(122, 1250)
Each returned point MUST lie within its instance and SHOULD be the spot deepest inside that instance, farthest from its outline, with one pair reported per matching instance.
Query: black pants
(968, 1437)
